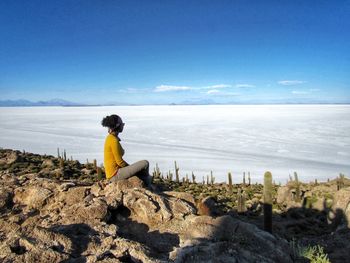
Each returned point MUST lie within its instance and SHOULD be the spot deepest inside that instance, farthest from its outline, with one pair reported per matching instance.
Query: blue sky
(154, 52)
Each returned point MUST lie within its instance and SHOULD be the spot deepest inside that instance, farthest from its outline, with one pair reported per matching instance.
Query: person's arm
(117, 153)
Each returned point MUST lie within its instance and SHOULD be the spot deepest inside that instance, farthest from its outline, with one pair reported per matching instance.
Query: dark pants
(139, 169)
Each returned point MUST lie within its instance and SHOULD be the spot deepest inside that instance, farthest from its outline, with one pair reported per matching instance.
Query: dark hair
(112, 121)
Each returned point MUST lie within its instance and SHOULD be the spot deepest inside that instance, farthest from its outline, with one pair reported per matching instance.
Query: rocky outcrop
(44, 220)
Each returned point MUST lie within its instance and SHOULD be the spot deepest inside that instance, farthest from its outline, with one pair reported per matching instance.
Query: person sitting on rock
(115, 167)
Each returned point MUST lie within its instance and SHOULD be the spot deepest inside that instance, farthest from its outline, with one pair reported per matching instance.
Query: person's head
(114, 123)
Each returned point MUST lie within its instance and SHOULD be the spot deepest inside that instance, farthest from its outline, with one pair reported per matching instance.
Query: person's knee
(146, 163)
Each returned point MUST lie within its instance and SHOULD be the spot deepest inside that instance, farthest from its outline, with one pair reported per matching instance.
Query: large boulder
(228, 240)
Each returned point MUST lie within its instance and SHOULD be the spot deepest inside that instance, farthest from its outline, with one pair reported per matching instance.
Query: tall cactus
(95, 164)
(297, 188)
(58, 153)
(207, 179)
(296, 177)
(177, 173)
(268, 202)
(249, 180)
(193, 178)
(243, 178)
(99, 173)
(241, 201)
(65, 155)
(212, 178)
(229, 180)
(156, 171)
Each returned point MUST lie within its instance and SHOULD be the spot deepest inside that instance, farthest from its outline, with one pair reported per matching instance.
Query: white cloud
(313, 90)
(163, 88)
(300, 92)
(244, 86)
(290, 82)
(220, 86)
(213, 91)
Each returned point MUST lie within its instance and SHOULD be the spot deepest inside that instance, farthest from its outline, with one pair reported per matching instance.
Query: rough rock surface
(44, 220)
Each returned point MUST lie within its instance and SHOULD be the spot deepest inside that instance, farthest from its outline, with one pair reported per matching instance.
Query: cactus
(212, 178)
(203, 181)
(316, 183)
(193, 178)
(187, 180)
(177, 173)
(99, 173)
(241, 201)
(64, 155)
(87, 161)
(95, 164)
(157, 171)
(230, 180)
(268, 202)
(96, 168)
(249, 180)
(297, 188)
(243, 178)
(207, 179)
(58, 153)
(296, 177)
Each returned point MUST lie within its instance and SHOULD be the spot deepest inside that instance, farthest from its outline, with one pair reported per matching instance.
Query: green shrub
(314, 253)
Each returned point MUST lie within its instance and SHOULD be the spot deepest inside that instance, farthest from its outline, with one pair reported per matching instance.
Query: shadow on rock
(159, 243)
(80, 235)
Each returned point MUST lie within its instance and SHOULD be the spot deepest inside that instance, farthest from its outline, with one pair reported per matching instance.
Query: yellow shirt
(113, 153)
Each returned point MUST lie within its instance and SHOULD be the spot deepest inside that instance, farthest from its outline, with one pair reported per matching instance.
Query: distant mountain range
(27, 103)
